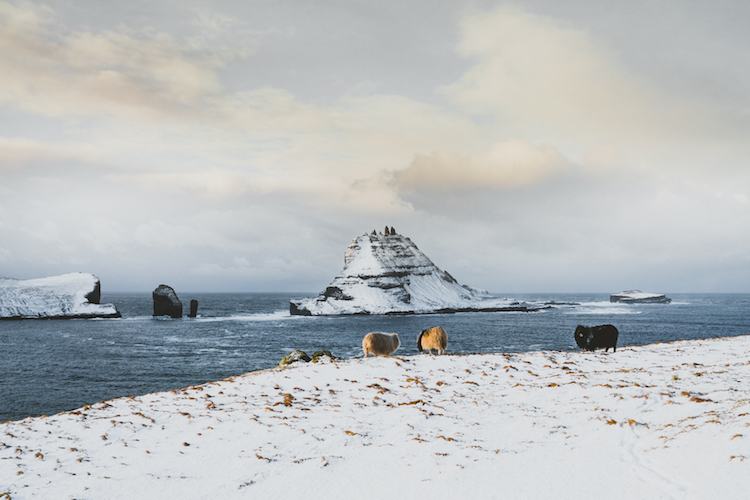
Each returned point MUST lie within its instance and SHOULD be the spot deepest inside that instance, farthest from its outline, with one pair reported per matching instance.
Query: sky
(524, 146)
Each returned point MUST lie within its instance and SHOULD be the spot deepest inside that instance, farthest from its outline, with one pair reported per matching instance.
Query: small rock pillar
(193, 309)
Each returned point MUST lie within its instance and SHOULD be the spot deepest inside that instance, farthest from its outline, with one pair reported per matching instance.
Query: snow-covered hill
(388, 274)
(74, 295)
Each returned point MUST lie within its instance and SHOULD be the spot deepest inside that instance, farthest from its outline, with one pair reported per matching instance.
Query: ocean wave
(594, 308)
(272, 316)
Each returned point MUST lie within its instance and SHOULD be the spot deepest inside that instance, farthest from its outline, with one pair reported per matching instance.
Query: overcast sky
(524, 146)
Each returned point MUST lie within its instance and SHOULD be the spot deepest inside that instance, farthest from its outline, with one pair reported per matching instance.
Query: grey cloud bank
(524, 146)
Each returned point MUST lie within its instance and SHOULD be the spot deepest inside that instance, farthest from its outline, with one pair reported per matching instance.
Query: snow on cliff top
(386, 274)
(637, 296)
(657, 421)
(64, 296)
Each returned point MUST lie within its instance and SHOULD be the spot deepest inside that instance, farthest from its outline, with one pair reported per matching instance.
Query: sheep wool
(432, 338)
(380, 344)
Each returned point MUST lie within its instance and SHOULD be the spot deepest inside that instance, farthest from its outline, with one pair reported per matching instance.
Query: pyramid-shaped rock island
(385, 273)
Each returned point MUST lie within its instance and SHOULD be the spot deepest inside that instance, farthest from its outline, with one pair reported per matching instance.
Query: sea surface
(49, 366)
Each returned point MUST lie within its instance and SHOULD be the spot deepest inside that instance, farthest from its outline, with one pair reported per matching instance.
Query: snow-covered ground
(73, 295)
(658, 421)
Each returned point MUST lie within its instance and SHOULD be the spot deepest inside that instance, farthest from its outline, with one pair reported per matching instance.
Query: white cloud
(541, 77)
(508, 164)
(16, 152)
(51, 71)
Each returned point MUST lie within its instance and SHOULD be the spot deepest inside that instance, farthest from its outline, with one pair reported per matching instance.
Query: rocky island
(385, 273)
(74, 295)
(639, 297)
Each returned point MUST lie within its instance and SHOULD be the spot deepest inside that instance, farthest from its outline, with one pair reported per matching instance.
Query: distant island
(385, 273)
(74, 295)
(639, 297)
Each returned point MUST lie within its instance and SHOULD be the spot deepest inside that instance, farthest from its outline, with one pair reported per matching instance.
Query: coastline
(641, 422)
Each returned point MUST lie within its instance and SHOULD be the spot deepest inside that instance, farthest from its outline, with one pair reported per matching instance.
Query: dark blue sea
(49, 366)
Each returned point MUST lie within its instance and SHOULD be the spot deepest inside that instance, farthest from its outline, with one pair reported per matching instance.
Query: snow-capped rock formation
(388, 274)
(639, 297)
(74, 295)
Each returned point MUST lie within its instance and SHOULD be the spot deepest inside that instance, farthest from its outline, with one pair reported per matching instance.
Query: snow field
(659, 421)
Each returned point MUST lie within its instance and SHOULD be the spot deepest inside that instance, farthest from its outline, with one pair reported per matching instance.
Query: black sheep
(593, 337)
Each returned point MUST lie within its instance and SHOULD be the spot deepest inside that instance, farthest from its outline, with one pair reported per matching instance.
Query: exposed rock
(294, 357)
(322, 356)
(74, 295)
(639, 297)
(334, 292)
(298, 311)
(166, 302)
(193, 309)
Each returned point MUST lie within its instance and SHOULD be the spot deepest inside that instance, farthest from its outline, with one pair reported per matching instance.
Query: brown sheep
(380, 344)
(432, 338)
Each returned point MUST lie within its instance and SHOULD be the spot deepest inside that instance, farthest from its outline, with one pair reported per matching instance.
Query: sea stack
(385, 273)
(166, 302)
(193, 309)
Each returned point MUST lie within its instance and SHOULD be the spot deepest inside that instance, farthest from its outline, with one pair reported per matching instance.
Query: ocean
(49, 366)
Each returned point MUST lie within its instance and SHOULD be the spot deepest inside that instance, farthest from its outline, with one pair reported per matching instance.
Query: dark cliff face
(96, 294)
(166, 302)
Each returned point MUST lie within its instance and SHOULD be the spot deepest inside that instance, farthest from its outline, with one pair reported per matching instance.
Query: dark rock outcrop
(322, 355)
(294, 357)
(95, 295)
(193, 309)
(166, 302)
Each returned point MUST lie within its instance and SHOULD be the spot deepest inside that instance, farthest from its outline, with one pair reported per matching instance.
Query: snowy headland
(639, 297)
(658, 421)
(74, 295)
(385, 273)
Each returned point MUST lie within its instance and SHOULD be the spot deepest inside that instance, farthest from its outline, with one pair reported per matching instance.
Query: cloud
(210, 183)
(187, 154)
(542, 77)
(508, 164)
(16, 152)
(55, 72)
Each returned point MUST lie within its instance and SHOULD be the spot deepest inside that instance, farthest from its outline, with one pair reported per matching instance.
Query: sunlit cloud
(17, 152)
(57, 72)
(506, 165)
(543, 77)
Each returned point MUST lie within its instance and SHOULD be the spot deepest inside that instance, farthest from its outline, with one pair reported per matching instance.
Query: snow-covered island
(385, 273)
(658, 421)
(74, 295)
(639, 297)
